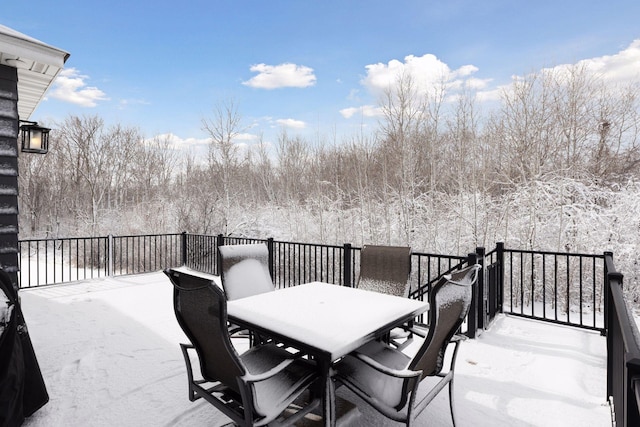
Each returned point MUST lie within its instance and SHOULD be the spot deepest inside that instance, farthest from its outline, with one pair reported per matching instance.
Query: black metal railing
(294, 263)
(52, 261)
(144, 253)
(565, 288)
(582, 290)
(558, 287)
(623, 352)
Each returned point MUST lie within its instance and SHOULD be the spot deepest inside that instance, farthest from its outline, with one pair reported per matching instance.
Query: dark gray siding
(9, 171)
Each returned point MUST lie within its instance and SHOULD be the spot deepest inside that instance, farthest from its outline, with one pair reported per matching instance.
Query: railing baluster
(544, 286)
(568, 289)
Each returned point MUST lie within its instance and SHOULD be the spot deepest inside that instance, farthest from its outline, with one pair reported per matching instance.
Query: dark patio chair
(385, 269)
(388, 379)
(254, 388)
(245, 270)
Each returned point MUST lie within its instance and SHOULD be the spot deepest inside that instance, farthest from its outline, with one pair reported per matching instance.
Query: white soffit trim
(38, 65)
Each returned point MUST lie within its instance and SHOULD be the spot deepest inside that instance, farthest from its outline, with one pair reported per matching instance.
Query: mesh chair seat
(388, 379)
(386, 388)
(277, 392)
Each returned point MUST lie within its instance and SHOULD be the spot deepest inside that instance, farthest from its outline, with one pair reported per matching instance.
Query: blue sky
(314, 68)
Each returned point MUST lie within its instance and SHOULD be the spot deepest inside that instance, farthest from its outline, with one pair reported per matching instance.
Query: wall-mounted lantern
(35, 139)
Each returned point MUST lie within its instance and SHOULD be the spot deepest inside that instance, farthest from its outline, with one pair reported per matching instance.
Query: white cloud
(490, 95)
(245, 137)
(620, 68)
(428, 74)
(477, 84)
(70, 86)
(426, 71)
(283, 75)
(465, 70)
(291, 123)
(365, 111)
(124, 103)
(354, 95)
(177, 143)
(623, 67)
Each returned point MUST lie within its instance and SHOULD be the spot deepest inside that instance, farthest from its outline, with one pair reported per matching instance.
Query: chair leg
(452, 370)
(187, 360)
(451, 404)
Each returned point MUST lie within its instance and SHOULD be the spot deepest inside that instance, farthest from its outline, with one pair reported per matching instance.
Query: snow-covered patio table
(324, 320)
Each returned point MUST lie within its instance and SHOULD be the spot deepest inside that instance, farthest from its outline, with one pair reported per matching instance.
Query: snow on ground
(108, 349)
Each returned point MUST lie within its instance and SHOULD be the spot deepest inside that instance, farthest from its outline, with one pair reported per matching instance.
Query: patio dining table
(325, 321)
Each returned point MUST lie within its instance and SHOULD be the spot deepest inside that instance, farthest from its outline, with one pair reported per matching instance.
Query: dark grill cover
(22, 388)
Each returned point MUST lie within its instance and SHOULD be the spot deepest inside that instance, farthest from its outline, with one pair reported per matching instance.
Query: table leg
(328, 395)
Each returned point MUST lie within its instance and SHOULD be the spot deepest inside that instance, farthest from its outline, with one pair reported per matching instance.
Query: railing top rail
(536, 252)
(53, 239)
(115, 236)
(452, 257)
(96, 237)
(310, 244)
(427, 285)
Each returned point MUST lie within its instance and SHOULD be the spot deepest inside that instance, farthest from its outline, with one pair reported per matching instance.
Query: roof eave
(38, 65)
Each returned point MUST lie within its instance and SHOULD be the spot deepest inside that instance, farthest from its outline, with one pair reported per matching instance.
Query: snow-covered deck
(108, 349)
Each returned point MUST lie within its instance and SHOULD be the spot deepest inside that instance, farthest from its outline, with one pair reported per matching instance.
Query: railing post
(608, 260)
(472, 317)
(270, 246)
(632, 406)
(613, 278)
(482, 292)
(183, 248)
(109, 255)
(500, 261)
(347, 279)
(219, 242)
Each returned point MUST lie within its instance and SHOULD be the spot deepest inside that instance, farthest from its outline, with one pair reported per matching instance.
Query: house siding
(9, 125)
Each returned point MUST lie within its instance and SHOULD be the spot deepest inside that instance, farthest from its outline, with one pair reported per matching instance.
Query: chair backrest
(385, 269)
(201, 310)
(449, 303)
(245, 270)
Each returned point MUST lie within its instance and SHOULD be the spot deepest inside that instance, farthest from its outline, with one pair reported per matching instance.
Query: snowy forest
(553, 164)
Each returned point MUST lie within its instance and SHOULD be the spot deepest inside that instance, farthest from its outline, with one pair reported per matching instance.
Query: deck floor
(108, 349)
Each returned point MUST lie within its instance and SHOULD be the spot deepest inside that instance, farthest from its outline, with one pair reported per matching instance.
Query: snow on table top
(334, 319)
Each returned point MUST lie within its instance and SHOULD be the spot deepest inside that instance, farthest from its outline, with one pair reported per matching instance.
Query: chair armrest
(419, 332)
(234, 329)
(398, 373)
(419, 329)
(249, 377)
(458, 338)
(455, 340)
